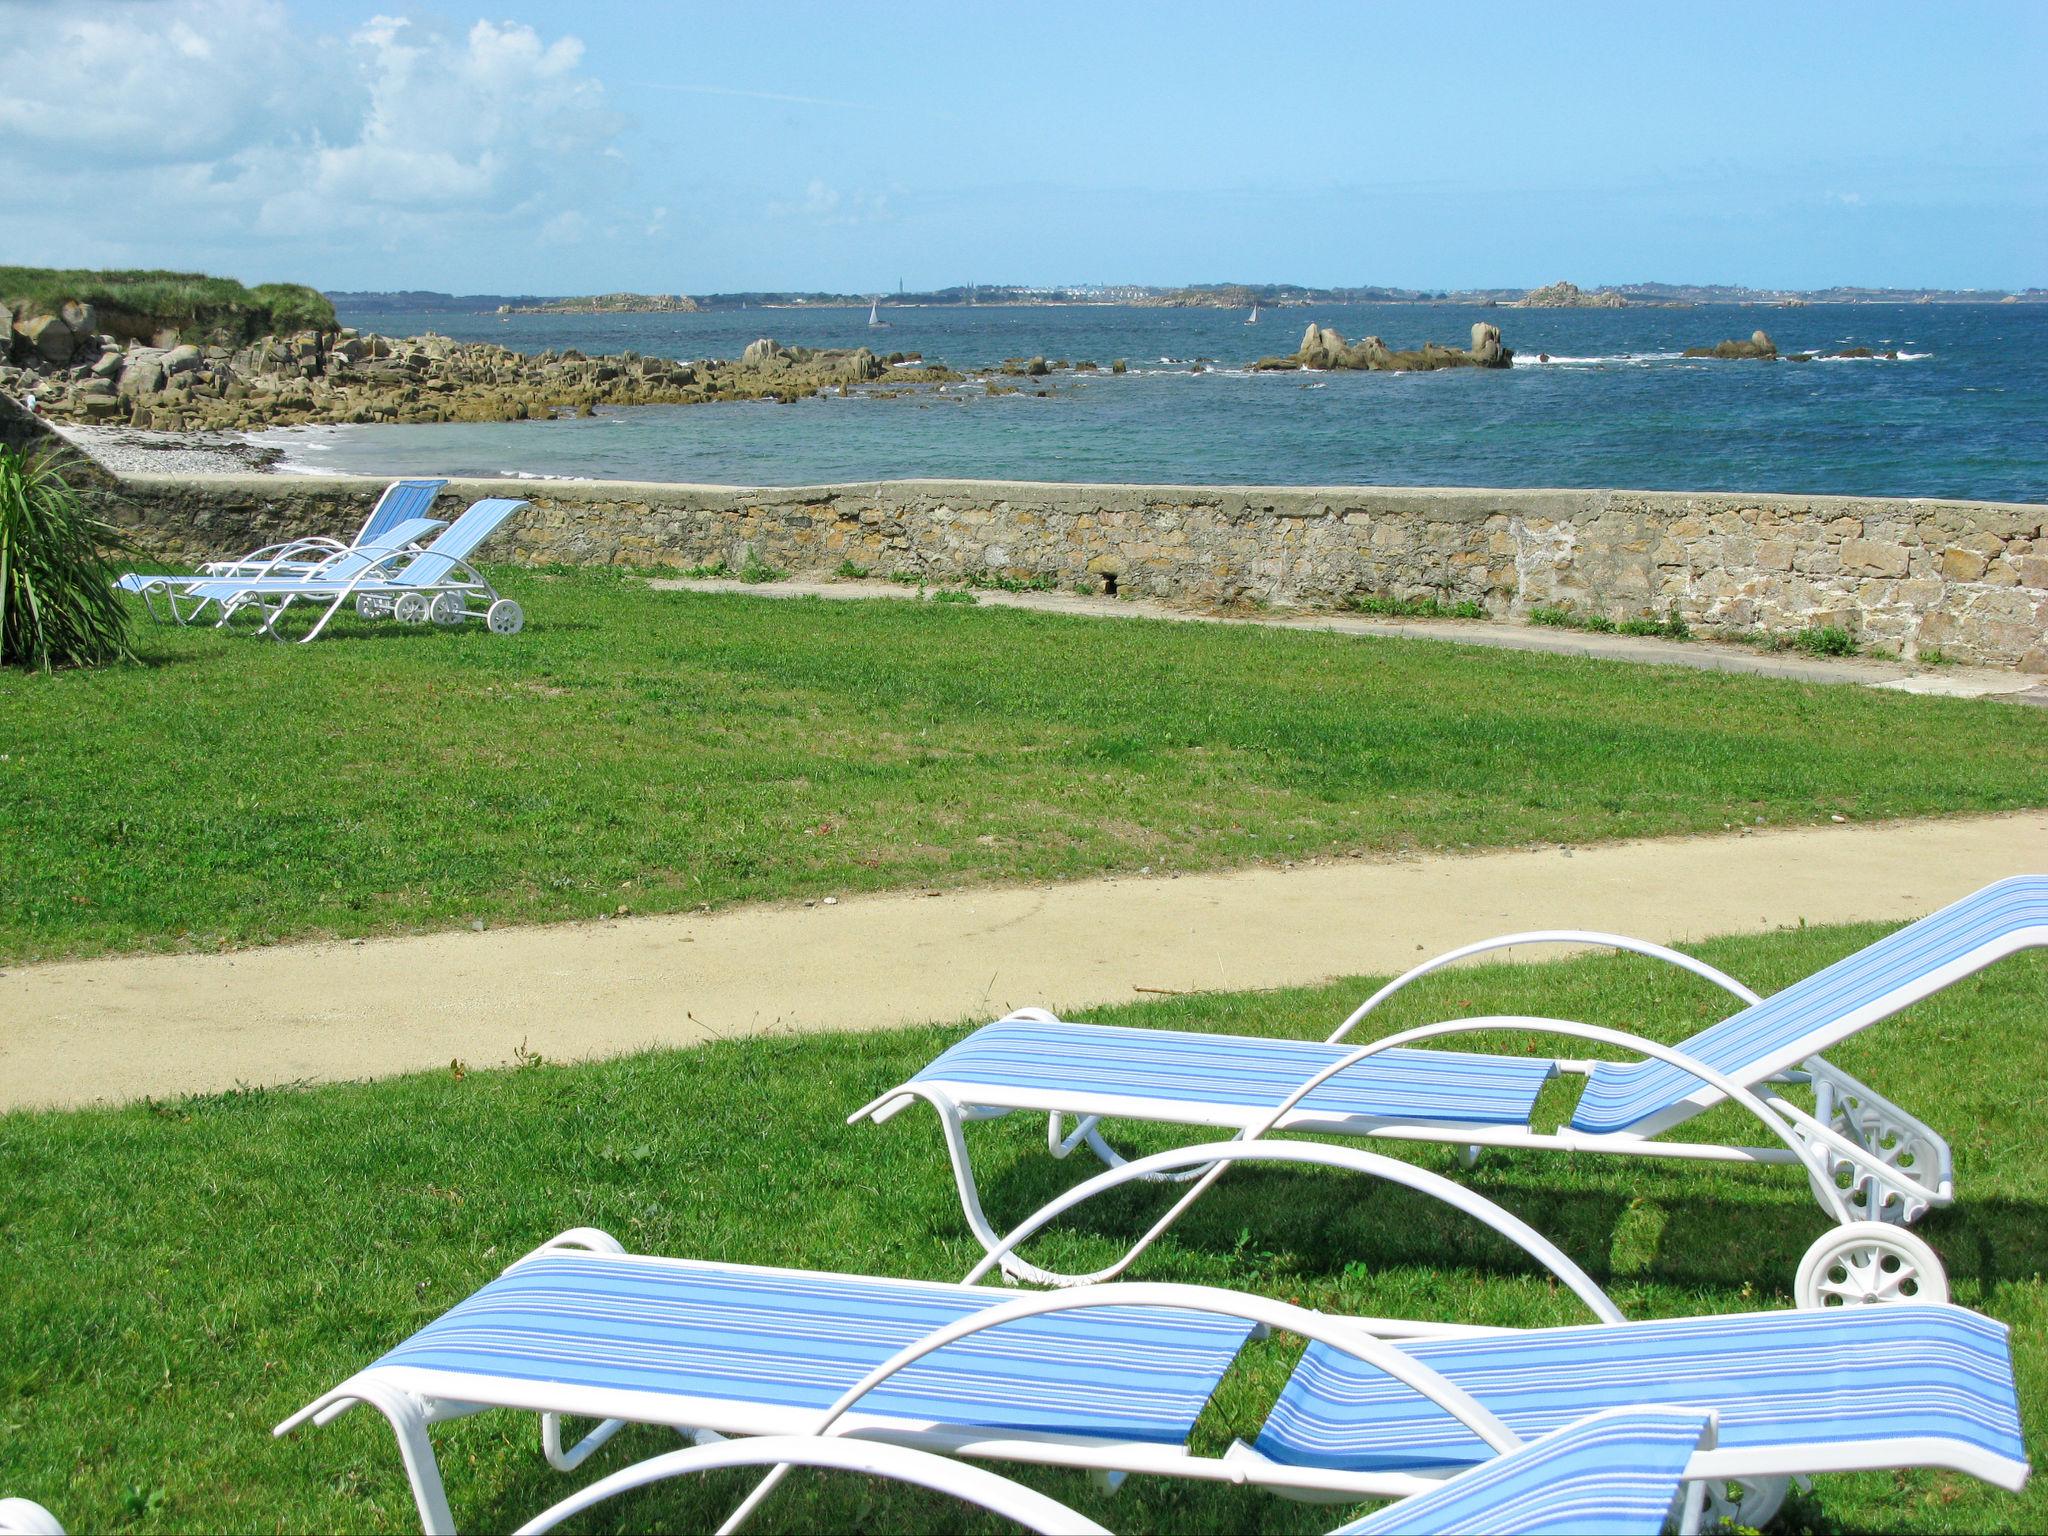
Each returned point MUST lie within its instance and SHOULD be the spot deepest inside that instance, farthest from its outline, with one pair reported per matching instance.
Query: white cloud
(224, 115)
(162, 84)
(826, 205)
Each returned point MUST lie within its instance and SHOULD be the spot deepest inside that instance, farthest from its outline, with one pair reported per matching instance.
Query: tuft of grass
(58, 606)
(996, 581)
(756, 570)
(1671, 627)
(1384, 606)
(1076, 746)
(848, 571)
(1825, 640)
(154, 1329)
(954, 597)
(717, 570)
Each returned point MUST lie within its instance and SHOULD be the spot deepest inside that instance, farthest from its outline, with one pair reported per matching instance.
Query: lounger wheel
(410, 608)
(505, 617)
(1869, 1263)
(1747, 1503)
(370, 606)
(446, 609)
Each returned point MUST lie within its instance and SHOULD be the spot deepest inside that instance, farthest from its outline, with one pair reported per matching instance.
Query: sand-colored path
(121, 1029)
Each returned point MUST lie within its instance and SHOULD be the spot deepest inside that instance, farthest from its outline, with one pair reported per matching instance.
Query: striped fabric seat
(1612, 1474)
(1782, 1030)
(1026, 1064)
(1937, 1375)
(785, 1339)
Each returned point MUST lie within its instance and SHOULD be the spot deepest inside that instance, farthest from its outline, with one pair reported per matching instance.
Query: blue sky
(696, 148)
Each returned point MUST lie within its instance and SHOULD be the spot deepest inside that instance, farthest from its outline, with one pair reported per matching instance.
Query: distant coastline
(1197, 296)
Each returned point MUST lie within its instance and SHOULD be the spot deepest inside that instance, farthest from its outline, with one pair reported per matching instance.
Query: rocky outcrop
(1323, 347)
(1569, 296)
(1758, 346)
(315, 376)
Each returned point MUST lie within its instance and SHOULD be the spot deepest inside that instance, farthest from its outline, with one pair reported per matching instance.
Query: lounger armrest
(1212, 1159)
(1619, 941)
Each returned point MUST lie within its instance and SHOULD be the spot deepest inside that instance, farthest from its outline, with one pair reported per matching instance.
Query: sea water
(1962, 411)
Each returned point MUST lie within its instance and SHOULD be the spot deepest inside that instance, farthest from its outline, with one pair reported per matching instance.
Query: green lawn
(663, 750)
(180, 1276)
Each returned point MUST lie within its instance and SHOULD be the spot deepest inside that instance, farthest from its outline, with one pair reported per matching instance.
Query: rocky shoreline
(77, 374)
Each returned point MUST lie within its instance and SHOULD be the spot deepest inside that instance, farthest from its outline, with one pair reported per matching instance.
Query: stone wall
(1968, 578)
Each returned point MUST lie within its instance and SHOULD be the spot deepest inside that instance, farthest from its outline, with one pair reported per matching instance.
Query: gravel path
(156, 1025)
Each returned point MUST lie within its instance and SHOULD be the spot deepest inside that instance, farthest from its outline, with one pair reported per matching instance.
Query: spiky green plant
(58, 606)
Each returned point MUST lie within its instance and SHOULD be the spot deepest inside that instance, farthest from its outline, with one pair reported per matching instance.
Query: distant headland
(609, 304)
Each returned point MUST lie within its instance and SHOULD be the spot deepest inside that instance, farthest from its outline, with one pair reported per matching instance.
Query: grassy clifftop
(137, 305)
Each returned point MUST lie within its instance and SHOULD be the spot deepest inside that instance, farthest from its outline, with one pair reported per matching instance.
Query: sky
(704, 148)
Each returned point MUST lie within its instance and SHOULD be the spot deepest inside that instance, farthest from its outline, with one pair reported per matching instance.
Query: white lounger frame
(412, 1399)
(377, 593)
(1864, 1157)
(277, 562)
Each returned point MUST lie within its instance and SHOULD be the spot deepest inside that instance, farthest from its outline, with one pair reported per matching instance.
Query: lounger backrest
(1611, 1474)
(1935, 1375)
(1811, 1015)
(402, 501)
(458, 543)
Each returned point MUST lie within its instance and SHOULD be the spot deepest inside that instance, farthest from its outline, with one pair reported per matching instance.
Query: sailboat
(1253, 317)
(875, 320)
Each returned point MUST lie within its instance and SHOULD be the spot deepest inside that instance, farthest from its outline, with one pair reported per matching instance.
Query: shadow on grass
(1621, 1226)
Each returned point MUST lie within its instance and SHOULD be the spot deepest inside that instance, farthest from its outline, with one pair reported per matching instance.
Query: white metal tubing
(1349, 1159)
(25, 1517)
(1342, 1334)
(1823, 1185)
(1620, 941)
(973, 1485)
(572, 1458)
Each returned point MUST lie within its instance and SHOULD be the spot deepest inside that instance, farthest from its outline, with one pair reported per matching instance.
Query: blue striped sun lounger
(1869, 1160)
(436, 583)
(188, 596)
(1112, 1378)
(403, 501)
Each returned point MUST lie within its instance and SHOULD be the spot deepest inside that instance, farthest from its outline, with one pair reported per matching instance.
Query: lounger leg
(1111, 1158)
(963, 1176)
(1917, 1164)
(580, 1452)
(407, 1416)
(332, 609)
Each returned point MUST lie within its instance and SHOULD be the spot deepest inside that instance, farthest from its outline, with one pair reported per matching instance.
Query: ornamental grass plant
(58, 606)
